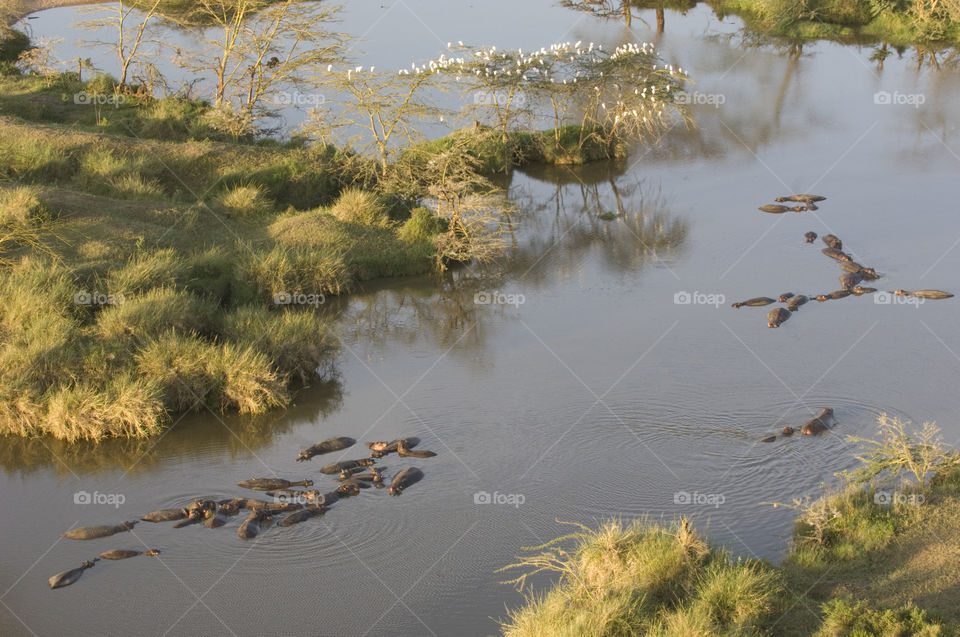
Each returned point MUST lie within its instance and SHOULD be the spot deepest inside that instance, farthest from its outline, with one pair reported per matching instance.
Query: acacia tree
(383, 106)
(129, 38)
(259, 48)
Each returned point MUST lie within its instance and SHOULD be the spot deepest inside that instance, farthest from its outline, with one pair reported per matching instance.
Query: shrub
(294, 271)
(846, 618)
(21, 206)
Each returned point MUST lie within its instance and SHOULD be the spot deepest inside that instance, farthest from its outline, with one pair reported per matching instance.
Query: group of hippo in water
(298, 505)
(853, 273)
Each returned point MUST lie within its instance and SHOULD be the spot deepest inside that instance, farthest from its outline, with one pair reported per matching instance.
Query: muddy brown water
(585, 388)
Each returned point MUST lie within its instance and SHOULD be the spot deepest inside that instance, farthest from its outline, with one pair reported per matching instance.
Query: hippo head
(781, 199)
(152, 552)
(304, 455)
(899, 292)
(396, 490)
(821, 297)
(344, 474)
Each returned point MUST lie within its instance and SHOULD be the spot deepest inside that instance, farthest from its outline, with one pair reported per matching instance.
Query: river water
(573, 383)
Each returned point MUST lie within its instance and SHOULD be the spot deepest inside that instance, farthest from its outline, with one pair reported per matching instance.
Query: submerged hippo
(924, 294)
(796, 301)
(251, 526)
(776, 316)
(230, 506)
(804, 198)
(92, 532)
(833, 241)
(859, 289)
(838, 294)
(213, 520)
(122, 554)
(819, 424)
(786, 296)
(336, 467)
(839, 255)
(849, 280)
(302, 515)
(853, 266)
(778, 209)
(768, 439)
(406, 452)
(67, 578)
(325, 446)
(269, 484)
(810, 236)
(348, 489)
(381, 448)
(757, 301)
(194, 517)
(787, 431)
(404, 479)
(165, 515)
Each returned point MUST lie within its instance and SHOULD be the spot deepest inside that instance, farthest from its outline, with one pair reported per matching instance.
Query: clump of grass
(422, 225)
(136, 186)
(127, 407)
(843, 618)
(643, 578)
(245, 201)
(295, 341)
(193, 372)
(294, 270)
(359, 206)
(155, 312)
(21, 206)
(144, 271)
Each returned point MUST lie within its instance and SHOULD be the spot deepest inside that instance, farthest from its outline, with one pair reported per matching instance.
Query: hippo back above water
(820, 424)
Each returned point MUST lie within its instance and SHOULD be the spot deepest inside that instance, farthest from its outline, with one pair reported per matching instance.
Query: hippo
(787, 431)
(804, 198)
(66, 578)
(757, 301)
(122, 554)
(853, 266)
(838, 294)
(270, 484)
(839, 255)
(810, 236)
(272, 507)
(348, 489)
(195, 516)
(202, 505)
(213, 520)
(776, 316)
(768, 439)
(327, 498)
(786, 296)
(381, 448)
(165, 515)
(360, 484)
(251, 526)
(302, 515)
(849, 280)
(924, 294)
(92, 532)
(859, 290)
(819, 424)
(796, 301)
(346, 473)
(325, 446)
(230, 506)
(405, 452)
(404, 479)
(777, 209)
(337, 467)
(833, 241)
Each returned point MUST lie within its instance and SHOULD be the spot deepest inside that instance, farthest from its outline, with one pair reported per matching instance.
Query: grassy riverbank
(878, 557)
(153, 265)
